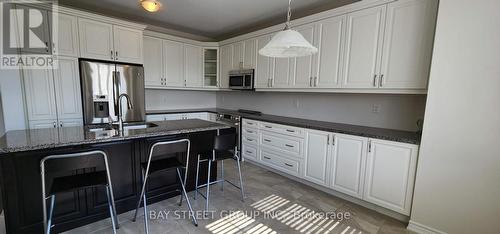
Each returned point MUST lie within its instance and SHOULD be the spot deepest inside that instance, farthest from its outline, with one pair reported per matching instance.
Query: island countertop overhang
(41, 139)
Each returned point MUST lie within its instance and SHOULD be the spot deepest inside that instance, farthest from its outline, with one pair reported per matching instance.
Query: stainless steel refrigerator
(102, 84)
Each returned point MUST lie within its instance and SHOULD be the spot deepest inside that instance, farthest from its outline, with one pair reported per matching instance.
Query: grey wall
(2, 123)
(458, 177)
(396, 111)
(178, 99)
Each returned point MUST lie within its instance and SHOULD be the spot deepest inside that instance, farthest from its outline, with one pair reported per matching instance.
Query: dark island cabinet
(22, 193)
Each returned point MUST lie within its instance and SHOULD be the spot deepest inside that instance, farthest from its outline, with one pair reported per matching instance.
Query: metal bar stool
(224, 148)
(166, 160)
(70, 162)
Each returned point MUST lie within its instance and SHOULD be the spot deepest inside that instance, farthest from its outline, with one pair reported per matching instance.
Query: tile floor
(273, 204)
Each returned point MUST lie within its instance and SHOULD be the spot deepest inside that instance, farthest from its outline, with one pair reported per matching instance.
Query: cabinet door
(317, 156)
(67, 89)
(303, 66)
(363, 45)
(96, 39)
(153, 62)
(226, 64)
(173, 61)
(249, 54)
(193, 58)
(282, 69)
(238, 55)
(67, 41)
(409, 36)
(40, 95)
(348, 164)
(263, 64)
(330, 38)
(390, 174)
(127, 44)
(40, 41)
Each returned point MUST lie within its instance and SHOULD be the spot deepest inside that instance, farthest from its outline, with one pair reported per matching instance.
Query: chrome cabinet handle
(54, 123)
(267, 157)
(374, 80)
(310, 81)
(116, 55)
(267, 140)
(288, 130)
(287, 145)
(249, 131)
(381, 80)
(268, 126)
(248, 139)
(290, 165)
(112, 55)
(249, 152)
(61, 124)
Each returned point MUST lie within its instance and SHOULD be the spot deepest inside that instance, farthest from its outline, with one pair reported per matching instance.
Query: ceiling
(213, 19)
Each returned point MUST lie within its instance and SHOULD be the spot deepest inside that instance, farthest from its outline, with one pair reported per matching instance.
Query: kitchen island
(21, 152)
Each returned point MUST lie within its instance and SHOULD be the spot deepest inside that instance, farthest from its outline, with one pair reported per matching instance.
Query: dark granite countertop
(36, 139)
(357, 130)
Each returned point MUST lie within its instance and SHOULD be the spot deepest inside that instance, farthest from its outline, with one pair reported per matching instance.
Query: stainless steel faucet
(120, 114)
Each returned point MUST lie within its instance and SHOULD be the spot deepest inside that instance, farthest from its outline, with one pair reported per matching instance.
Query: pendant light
(288, 43)
(151, 5)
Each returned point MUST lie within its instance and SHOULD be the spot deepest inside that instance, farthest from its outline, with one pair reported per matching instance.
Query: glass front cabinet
(210, 67)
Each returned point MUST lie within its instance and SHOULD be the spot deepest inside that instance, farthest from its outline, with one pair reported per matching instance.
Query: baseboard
(422, 229)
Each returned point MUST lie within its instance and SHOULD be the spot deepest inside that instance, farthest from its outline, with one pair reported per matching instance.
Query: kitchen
(344, 122)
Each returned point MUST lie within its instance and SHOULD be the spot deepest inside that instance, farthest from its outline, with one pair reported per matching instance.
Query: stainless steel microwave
(241, 79)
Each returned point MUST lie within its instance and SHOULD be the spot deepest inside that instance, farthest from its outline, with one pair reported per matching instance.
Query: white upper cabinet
(364, 38)
(249, 53)
(263, 64)
(105, 41)
(409, 35)
(67, 89)
(317, 156)
(390, 174)
(282, 71)
(127, 44)
(238, 50)
(153, 62)
(96, 39)
(330, 35)
(173, 61)
(193, 67)
(348, 164)
(226, 65)
(67, 41)
(40, 95)
(303, 66)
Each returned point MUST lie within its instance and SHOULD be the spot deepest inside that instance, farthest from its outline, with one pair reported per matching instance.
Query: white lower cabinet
(377, 171)
(47, 123)
(348, 164)
(390, 174)
(317, 156)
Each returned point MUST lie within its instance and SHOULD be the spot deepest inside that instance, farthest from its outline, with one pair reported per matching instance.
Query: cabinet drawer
(250, 139)
(247, 123)
(249, 152)
(287, 165)
(282, 129)
(291, 146)
(249, 132)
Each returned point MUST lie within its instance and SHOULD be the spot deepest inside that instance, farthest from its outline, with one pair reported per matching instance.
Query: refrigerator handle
(116, 90)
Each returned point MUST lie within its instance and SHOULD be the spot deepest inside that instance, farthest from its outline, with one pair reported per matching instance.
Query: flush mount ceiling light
(288, 43)
(151, 5)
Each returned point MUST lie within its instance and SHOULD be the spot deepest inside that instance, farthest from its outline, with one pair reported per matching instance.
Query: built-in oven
(241, 79)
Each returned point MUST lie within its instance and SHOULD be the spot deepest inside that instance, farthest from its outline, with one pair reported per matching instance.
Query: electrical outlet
(376, 108)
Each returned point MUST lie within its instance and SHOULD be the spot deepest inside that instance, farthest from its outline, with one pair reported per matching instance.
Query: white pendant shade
(288, 44)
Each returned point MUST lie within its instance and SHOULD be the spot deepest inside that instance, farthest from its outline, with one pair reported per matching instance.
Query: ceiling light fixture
(151, 5)
(288, 43)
